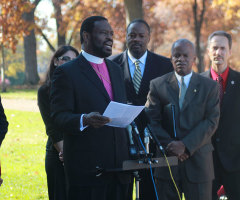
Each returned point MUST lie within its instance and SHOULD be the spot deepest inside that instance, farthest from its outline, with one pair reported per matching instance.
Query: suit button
(217, 140)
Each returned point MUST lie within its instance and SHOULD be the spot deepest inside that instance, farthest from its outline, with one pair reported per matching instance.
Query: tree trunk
(4, 88)
(198, 20)
(133, 9)
(30, 55)
(61, 33)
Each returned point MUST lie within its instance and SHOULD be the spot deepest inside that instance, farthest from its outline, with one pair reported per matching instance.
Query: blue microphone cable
(149, 162)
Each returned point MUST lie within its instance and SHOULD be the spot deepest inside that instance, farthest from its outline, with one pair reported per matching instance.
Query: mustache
(218, 57)
(180, 63)
(108, 40)
(136, 43)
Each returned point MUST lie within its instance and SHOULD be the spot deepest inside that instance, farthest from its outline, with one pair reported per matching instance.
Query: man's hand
(176, 148)
(183, 157)
(60, 155)
(95, 120)
(59, 146)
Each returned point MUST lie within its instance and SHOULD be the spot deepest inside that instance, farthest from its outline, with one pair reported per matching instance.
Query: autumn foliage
(11, 24)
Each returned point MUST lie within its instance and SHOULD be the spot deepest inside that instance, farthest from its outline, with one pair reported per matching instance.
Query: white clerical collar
(142, 59)
(91, 58)
(187, 78)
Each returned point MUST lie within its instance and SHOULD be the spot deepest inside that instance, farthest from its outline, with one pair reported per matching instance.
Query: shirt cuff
(81, 123)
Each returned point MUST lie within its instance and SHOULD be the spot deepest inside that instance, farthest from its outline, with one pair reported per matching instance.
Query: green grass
(20, 94)
(22, 157)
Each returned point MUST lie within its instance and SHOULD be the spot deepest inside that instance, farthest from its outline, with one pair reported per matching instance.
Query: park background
(31, 30)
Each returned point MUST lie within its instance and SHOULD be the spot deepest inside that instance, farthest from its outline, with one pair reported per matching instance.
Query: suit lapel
(89, 72)
(146, 73)
(192, 90)
(113, 77)
(125, 67)
(174, 88)
(127, 77)
(229, 92)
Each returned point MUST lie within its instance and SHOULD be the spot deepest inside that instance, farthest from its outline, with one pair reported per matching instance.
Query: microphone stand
(147, 157)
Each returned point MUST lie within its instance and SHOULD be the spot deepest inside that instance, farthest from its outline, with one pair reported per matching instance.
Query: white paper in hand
(121, 114)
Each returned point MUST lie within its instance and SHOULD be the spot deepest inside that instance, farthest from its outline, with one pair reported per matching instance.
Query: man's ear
(230, 52)
(55, 61)
(86, 37)
(207, 51)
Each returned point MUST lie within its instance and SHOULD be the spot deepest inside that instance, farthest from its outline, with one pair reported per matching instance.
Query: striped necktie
(137, 76)
(183, 89)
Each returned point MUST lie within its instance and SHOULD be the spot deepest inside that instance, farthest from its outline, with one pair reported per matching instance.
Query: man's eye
(132, 35)
(176, 55)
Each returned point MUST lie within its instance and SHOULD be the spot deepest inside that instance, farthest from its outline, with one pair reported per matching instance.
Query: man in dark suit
(81, 91)
(3, 130)
(188, 134)
(226, 140)
(151, 66)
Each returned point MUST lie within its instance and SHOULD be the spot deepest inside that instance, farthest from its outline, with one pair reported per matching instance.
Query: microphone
(129, 130)
(132, 147)
(153, 136)
(146, 139)
(174, 121)
(135, 127)
(156, 139)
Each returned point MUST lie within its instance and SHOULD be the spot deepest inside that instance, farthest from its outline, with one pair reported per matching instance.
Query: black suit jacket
(77, 89)
(55, 135)
(156, 65)
(3, 123)
(196, 122)
(226, 140)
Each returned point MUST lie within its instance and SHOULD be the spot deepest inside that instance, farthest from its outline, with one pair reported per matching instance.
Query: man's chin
(136, 53)
(104, 54)
(218, 62)
(107, 53)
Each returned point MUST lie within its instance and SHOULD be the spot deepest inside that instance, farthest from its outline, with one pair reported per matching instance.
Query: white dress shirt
(187, 79)
(132, 60)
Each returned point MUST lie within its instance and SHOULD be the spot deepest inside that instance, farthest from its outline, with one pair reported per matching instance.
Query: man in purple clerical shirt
(81, 91)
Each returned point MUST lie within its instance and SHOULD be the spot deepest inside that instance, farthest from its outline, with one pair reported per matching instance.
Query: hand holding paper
(121, 115)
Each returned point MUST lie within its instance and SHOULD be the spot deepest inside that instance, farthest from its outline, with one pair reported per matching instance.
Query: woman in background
(54, 148)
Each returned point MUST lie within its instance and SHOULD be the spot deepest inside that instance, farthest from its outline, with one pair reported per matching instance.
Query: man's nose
(109, 36)
(218, 51)
(181, 58)
(137, 38)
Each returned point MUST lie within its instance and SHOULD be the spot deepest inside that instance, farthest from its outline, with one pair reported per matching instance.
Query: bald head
(183, 56)
(184, 42)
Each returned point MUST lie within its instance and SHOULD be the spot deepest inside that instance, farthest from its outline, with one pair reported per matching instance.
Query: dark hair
(184, 41)
(88, 25)
(139, 21)
(221, 33)
(61, 50)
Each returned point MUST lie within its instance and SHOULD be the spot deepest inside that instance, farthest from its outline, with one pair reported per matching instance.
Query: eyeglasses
(65, 58)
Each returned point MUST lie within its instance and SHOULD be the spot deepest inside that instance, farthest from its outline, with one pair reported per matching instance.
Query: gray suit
(195, 125)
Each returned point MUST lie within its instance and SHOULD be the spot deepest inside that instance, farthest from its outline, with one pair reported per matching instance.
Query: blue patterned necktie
(183, 89)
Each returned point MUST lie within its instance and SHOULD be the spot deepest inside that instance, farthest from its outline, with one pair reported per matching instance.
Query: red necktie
(221, 92)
